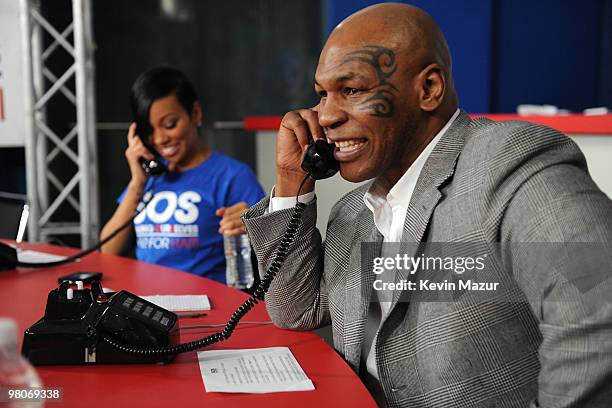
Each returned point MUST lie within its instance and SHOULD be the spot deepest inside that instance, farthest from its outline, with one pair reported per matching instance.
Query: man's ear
(196, 113)
(433, 87)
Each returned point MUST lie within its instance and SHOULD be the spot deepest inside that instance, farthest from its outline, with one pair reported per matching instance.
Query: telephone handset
(154, 167)
(319, 161)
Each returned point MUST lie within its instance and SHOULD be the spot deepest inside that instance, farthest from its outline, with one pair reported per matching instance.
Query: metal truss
(61, 158)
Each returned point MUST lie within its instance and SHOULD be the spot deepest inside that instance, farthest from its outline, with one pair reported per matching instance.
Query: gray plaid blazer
(491, 182)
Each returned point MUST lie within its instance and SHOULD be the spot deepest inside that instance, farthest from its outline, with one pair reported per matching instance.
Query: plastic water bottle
(15, 370)
(238, 267)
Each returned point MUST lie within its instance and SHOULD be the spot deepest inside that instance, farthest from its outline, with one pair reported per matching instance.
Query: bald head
(400, 27)
(408, 31)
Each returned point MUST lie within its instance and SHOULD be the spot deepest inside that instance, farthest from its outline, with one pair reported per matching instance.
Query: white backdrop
(12, 115)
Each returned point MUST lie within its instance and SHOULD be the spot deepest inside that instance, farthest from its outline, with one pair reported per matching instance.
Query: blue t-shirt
(179, 228)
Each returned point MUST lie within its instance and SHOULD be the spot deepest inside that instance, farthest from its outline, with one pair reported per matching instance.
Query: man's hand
(231, 225)
(297, 130)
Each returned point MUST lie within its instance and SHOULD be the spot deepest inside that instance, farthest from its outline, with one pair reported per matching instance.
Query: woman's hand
(135, 150)
(231, 225)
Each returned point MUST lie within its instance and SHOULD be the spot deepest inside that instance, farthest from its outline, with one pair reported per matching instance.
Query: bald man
(388, 103)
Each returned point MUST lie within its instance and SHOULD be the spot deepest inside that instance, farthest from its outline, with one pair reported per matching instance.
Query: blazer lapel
(439, 167)
(359, 281)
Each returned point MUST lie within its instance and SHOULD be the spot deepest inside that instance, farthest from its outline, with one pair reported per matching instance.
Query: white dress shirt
(388, 208)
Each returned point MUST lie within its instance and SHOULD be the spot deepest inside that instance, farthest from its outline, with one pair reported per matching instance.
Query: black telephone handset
(156, 166)
(319, 161)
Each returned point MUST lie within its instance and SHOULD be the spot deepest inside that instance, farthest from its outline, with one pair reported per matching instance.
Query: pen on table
(191, 315)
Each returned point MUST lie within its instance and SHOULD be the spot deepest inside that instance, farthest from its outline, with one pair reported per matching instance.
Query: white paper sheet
(180, 303)
(258, 371)
(37, 257)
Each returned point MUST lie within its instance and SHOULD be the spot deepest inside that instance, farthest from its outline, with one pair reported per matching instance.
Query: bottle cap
(8, 334)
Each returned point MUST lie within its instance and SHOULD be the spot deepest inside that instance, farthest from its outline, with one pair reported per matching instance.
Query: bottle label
(239, 270)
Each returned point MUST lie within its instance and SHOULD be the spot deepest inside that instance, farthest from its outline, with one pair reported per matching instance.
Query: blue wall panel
(547, 52)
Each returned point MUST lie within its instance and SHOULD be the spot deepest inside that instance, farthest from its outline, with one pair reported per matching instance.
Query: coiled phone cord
(279, 258)
(147, 197)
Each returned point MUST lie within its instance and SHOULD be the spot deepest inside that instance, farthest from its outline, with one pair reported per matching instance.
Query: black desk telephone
(76, 322)
(87, 326)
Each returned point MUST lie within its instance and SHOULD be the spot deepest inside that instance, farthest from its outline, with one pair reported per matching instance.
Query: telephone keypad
(138, 306)
(147, 311)
(142, 309)
(127, 303)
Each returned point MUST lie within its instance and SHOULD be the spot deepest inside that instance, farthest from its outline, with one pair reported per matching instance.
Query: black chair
(14, 211)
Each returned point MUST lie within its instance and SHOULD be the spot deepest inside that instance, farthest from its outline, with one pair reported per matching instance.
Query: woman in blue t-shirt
(197, 201)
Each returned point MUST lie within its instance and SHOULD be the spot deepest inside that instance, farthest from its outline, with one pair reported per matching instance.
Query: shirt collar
(401, 193)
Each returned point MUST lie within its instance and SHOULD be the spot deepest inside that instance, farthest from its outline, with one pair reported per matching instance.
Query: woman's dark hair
(157, 83)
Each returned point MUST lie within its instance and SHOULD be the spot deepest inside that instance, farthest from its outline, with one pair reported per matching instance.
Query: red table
(23, 295)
